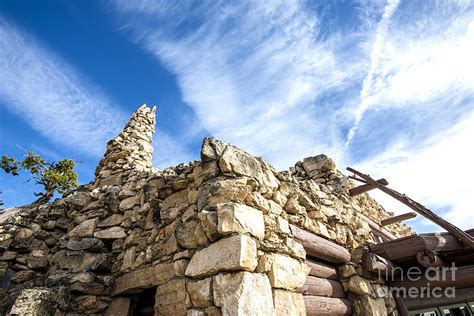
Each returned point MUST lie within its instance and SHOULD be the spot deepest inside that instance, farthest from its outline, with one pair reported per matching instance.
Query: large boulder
(233, 253)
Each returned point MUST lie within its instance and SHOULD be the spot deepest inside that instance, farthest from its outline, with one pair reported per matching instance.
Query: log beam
(409, 246)
(322, 270)
(366, 187)
(460, 278)
(319, 247)
(318, 305)
(322, 287)
(376, 264)
(420, 209)
(398, 218)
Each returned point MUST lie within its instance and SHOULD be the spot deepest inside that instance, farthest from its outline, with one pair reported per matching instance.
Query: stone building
(226, 235)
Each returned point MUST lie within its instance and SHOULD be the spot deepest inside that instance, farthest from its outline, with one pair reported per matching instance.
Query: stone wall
(212, 235)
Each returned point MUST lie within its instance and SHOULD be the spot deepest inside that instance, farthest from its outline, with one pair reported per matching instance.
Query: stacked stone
(130, 152)
(367, 291)
(212, 236)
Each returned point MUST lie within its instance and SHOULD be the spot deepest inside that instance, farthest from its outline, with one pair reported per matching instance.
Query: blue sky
(385, 86)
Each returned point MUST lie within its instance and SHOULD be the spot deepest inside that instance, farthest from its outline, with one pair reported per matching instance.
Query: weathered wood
(319, 247)
(462, 277)
(429, 259)
(462, 296)
(365, 187)
(379, 265)
(318, 305)
(420, 209)
(322, 270)
(397, 219)
(382, 232)
(322, 287)
(401, 307)
(409, 246)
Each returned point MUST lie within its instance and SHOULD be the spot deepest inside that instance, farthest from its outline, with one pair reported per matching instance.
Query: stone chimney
(130, 152)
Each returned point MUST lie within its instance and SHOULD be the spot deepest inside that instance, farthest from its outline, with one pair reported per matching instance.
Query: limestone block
(288, 303)
(200, 292)
(171, 298)
(238, 162)
(359, 285)
(129, 202)
(84, 229)
(270, 181)
(212, 149)
(318, 164)
(180, 267)
(239, 218)
(233, 253)
(35, 302)
(113, 220)
(292, 206)
(209, 224)
(243, 293)
(111, 233)
(143, 278)
(90, 244)
(223, 191)
(286, 272)
(367, 306)
(186, 234)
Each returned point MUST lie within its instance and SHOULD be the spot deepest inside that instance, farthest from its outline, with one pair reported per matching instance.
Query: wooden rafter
(420, 209)
(397, 219)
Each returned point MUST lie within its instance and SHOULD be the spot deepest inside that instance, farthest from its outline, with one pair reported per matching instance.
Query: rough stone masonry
(209, 237)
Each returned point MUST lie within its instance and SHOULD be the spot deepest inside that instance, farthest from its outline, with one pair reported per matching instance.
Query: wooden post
(420, 209)
(397, 219)
(366, 187)
(319, 247)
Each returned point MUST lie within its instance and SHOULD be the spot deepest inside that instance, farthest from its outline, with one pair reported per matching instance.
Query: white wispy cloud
(369, 82)
(59, 102)
(251, 71)
(52, 96)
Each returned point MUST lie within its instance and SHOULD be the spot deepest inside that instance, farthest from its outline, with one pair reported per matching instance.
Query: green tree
(53, 176)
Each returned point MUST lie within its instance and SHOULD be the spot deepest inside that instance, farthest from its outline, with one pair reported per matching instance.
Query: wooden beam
(401, 306)
(409, 246)
(429, 259)
(462, 277)
(366, 187)
(420, 209)
(322, 270)
(383, 232)
(321, 306)
(322, 287)
(319, 247)
(462, 296)
(376, 264)
(398, 218)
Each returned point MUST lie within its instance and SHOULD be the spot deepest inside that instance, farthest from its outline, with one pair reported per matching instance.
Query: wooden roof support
(365, 187)
(420, 209)
(397, 219)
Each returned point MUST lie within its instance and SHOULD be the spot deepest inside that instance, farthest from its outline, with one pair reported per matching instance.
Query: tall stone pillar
(130, 152)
